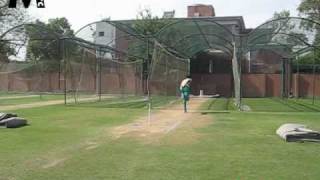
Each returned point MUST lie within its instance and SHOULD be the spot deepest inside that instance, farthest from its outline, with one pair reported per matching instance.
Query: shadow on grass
(286, 103)
(312, 109)
(218, 104)
(157, 102)
(215, 112)
(211, 104)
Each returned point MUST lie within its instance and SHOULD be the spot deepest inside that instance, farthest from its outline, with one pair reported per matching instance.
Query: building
(201, 10)
(168, 14)
(105, 34)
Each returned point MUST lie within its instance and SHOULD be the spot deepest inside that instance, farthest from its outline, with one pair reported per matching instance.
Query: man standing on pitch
(185, 91)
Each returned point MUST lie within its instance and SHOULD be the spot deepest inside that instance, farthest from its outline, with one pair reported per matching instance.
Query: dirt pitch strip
(164, 121)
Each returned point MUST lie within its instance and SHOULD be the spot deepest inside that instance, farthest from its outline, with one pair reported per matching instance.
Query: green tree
(311, 10)
(9, 18)
(286, 33)
(281, 14)
(147, 25)
(45, 42)
(5, 52)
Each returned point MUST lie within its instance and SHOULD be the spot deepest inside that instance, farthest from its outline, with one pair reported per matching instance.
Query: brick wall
(303, 85)
(269, 85)
(212, 84)
(128, 82)
(201, 10)
(273, 85)
(253, 85)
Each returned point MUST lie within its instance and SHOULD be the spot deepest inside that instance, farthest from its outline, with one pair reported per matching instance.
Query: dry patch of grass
(187, 133)
(172, 122)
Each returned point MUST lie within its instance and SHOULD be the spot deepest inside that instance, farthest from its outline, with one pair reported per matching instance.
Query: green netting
(25, 69)
(27, 77)
(96, 74)
(285, 35)
(166, 73)
(111, 58)
(190, 36)
(118, 37)
(282, 48)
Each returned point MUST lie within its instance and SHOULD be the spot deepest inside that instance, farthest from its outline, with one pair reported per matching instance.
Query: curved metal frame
(79, 40)
(274, 20)
(132, 32)
(193, 45)
(291, 35)
(293, 54)
(191, 35)
(193, 20)
(28, 24)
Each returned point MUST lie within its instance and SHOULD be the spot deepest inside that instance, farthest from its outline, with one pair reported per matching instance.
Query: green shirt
(186, 92)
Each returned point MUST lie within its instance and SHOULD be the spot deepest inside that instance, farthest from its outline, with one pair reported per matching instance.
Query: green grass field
(282, 105)
(236, 145)
(219, 104)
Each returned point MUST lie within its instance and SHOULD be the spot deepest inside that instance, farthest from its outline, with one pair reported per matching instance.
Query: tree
(9, 18)
(311, 10)
(285, 31)
(45, 42)
(147, 25)
(5, 52)
(281, 14)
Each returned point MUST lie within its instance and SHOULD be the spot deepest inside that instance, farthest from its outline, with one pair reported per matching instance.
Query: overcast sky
(80, 13)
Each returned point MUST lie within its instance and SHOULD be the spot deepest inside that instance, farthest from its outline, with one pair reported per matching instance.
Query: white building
(105, 35)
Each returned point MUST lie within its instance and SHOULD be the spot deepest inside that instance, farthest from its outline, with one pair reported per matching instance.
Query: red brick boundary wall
(261, 85)
(111, 83)
(269, 85)
(303, 85)
(256, 85)
(253, 85)
(212, 84)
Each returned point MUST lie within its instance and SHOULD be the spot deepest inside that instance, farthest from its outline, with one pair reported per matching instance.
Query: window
(101, 34)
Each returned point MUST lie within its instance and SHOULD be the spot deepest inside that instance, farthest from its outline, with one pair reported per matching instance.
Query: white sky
(80, 13)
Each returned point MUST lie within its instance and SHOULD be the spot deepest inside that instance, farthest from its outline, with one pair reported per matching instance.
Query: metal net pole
(100, 69)
(314, 77)
(236, 75)
(65, 70)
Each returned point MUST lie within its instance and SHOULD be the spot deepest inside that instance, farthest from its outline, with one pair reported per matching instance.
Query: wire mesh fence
(112, 62)
(281, 57)
(95, 74)
(27, 74)
(165, 75)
